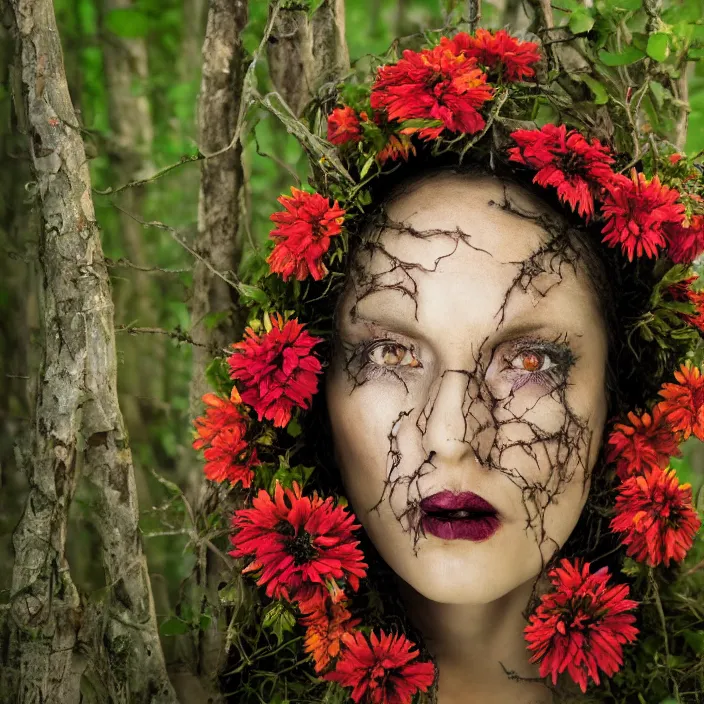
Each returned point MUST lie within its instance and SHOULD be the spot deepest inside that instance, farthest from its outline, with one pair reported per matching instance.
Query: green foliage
(626, 63)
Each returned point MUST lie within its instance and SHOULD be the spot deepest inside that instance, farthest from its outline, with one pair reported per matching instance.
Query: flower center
(573, 163)
(299, 546)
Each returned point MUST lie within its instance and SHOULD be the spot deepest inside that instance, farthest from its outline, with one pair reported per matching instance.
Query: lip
(478, 527)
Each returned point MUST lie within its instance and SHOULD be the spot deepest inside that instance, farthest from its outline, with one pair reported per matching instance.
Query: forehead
(474, 250)
(494, 215)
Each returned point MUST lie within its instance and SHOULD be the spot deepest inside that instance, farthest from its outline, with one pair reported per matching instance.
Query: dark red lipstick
(464, 516)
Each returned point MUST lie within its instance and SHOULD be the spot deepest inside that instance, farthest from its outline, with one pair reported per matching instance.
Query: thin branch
(179, 335)
(122, 262)
(142, 181)
(175, 235)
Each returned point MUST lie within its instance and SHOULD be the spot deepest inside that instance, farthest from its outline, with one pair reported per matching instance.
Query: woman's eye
(532, 361)
(392, 354)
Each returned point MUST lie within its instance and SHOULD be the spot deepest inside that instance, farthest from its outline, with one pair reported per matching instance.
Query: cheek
(362, 421)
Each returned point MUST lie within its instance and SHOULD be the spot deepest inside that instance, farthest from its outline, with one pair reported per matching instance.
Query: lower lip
(474, 529)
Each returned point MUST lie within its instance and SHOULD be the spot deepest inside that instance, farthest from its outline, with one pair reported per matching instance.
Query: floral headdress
(468, 96)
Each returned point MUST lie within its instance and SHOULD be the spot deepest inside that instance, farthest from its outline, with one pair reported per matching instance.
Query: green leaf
(695, 54)
(658, 46)
(256, 294)
(174, 627)
(695, 640)
(367, 165)
(419, 122)
(293, 428)
(127, 22)
(581, 21)
(601, 97)
(217, 374)
(628, 56)
(279, 619)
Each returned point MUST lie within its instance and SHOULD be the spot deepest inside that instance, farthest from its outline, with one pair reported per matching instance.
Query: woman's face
(467, 390)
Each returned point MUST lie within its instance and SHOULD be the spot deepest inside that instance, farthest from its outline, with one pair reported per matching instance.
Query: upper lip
(449, 501)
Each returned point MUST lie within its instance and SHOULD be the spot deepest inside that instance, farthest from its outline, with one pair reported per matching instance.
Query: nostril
(430, 457)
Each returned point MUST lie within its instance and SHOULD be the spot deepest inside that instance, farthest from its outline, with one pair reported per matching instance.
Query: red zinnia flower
(326, 622)
(433, 84)
(297, 543)
(277, 370)
(636, 211)
(303, 234)
(683, 292)
(230, 457)
(683, 404)
(685, 244)
(656, 514)
(343, 126)
(579, 170)
(648, 441)
(581, 625)
(380, 670)
(512, 59)
(220, 414)
(223, 429)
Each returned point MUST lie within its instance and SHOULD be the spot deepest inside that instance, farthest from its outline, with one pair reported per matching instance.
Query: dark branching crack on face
(495, 435)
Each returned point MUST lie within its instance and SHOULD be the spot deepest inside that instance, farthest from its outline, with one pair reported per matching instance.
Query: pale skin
(471, 358)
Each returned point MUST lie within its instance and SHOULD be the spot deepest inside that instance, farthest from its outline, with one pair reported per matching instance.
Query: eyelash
(559, 353)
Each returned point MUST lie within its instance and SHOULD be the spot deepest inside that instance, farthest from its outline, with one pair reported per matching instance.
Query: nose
(446, 422)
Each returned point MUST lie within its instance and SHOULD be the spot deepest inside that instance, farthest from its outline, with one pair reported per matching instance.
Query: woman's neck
(479, 649)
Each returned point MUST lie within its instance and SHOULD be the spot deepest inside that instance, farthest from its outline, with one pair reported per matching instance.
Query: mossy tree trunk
(58, 647)
(306, 51)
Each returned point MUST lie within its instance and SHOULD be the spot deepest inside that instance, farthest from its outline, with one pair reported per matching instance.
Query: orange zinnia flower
(656, 514)
(326, 623)
(396, 147)
(221, 432)
(648, 441)
(683, 404)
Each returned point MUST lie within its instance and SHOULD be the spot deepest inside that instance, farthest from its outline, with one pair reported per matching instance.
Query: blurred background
(134, 72)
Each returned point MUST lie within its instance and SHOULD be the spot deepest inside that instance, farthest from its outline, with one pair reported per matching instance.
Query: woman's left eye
(532, 361)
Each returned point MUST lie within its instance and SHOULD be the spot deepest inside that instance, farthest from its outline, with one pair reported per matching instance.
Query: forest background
(154, 94)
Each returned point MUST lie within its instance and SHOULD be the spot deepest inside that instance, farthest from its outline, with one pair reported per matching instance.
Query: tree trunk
(54, 649)
(216, 319)
(304, 53)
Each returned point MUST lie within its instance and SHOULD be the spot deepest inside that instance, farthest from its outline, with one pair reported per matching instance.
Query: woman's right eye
(392, 354)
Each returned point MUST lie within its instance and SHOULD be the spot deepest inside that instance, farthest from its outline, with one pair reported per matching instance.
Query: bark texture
(213, 304)
(57, 648)
(216, 319)
(306, 52)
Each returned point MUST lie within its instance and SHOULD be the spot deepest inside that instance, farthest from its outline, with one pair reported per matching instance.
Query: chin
(460, 572)
(470, 583)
